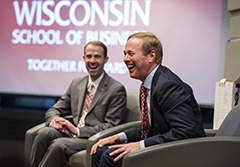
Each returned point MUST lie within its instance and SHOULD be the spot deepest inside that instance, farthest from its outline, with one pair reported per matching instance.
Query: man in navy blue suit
(173, 113)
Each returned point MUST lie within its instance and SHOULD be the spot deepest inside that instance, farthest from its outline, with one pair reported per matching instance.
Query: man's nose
(92, 59)
(126, 58)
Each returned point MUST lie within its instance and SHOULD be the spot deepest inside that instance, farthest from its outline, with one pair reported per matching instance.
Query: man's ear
(106, 59)
(152, 56)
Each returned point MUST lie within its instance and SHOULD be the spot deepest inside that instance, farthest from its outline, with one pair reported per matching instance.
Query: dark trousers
(103, 159)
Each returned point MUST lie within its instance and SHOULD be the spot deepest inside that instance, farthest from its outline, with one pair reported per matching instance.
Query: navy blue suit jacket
(175, 113)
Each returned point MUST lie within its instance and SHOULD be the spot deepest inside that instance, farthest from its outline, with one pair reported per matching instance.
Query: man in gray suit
(60, 138)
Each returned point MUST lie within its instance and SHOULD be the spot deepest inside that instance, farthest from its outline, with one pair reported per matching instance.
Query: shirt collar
(148, 81)
(96, 82)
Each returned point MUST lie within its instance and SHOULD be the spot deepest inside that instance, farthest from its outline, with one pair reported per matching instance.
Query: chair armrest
(29, 138)
(210, 132)
(198, 152)
(105, 133)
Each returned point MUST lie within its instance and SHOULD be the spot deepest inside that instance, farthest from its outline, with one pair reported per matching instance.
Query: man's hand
(62, 124)
(55, 123)
(124, 149)
(102, 142)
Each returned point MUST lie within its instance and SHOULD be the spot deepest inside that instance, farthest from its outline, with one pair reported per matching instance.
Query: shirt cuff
(50, 124)
(123, 137)
(142, 145)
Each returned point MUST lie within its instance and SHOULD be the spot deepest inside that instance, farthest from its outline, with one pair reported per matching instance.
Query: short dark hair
(97, 43)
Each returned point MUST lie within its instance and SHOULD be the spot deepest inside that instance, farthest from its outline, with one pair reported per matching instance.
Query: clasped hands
(121, 149)
(63, 124)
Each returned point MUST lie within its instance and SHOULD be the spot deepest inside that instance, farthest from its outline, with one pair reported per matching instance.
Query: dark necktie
(88, 100)
(144, 108)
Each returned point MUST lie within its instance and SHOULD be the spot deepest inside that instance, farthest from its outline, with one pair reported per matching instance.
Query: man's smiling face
(136, 62)
(94, 60)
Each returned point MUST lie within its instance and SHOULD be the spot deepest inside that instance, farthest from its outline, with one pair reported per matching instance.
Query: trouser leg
(40, 144)
(103, 159)
(96, 157)
(60, 150)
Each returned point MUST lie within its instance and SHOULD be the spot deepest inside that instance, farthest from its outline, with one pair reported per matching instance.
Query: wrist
(77, 132)
(116, 138)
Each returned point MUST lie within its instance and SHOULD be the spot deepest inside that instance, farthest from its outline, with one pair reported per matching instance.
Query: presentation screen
(42, 41)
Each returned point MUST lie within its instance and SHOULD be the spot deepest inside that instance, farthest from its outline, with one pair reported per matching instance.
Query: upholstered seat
(78, 159)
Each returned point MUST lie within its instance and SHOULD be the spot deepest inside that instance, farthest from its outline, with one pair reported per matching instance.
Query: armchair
(221, 149)
(206, 151)
(81, 159)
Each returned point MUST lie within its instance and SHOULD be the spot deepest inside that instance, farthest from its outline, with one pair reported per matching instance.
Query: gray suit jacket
(106, 110)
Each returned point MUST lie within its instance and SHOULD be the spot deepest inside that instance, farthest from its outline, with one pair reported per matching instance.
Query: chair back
(231, 124)
(133, 110)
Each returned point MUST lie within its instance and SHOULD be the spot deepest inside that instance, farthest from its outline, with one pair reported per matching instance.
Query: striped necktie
(88, 100)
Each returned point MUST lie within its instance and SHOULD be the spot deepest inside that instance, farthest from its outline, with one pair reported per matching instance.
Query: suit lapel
(82, 91)
(102, 87)
(154, 82)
